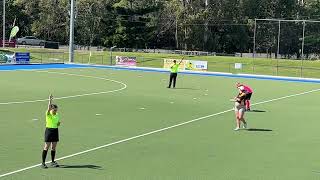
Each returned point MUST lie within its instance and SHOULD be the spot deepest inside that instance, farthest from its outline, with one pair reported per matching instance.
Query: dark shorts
(248, 96)
(51, 135)
(174, 74)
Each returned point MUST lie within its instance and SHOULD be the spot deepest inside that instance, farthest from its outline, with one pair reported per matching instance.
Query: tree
(133, 23)
(89, 21)
(223, 26)
(14, 14)
(48, 18)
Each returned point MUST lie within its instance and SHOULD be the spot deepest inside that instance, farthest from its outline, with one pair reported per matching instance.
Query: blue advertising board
(22, 57)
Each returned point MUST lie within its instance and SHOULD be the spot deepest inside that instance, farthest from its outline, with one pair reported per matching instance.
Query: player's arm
(238, 98)
(49, 104)
(181, 60)
(241, 96)
(234, 99)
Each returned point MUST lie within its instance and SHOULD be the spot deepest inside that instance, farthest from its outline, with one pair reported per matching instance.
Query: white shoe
(237, 129)
(245, 126)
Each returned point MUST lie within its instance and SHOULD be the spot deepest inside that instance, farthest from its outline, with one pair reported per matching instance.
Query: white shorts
(239, 107)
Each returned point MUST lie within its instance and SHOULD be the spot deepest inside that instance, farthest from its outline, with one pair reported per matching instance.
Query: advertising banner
(167, 63)
(192, 65)
(196, 65)
(22, 57)
(126, 61)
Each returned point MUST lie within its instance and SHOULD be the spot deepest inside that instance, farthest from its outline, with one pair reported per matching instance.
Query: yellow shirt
(190, 67)
(52, 120)
(174, 68)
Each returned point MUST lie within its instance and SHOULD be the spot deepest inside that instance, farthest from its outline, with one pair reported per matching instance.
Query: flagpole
(4, 24)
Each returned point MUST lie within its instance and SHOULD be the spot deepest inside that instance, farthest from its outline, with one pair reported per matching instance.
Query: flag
(14, 32)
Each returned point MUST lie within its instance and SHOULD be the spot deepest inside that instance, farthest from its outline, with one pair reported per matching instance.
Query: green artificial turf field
(134, 115)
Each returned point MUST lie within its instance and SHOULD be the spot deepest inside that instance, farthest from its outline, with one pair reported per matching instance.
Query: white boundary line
(124, 86)
(156, 131)
(34, 69)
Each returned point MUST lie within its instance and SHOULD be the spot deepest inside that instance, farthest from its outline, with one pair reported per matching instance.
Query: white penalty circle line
(124, 86)
(156, 131)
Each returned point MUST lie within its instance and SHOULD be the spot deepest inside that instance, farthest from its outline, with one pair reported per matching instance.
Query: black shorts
(248, 96)
(173, 75)
(51, 135)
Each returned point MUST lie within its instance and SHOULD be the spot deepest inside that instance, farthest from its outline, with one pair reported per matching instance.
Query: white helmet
(241, 88)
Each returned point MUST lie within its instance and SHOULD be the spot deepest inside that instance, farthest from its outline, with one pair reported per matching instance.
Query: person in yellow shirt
(174, 73)
(51, 137)
(190, 66)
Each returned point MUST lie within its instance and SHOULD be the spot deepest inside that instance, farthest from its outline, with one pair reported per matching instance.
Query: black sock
(44, 155)
(53, 154)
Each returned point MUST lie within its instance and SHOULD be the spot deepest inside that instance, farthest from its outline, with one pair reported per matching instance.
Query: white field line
(155, 131)
(124, 86)
(31, 70)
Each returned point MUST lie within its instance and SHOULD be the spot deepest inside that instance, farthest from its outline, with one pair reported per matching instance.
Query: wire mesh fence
(264, 66)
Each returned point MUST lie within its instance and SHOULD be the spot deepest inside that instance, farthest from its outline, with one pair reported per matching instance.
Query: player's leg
(248, 102)
(174, 79)
(241, 117)
(237, 120)
(170, 81)
(248, 105)
(53, 154)
(44, 154)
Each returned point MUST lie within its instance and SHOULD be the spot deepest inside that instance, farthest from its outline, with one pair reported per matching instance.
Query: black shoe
(168, 87)
(54, 164)
(248, 109)
(44, 166)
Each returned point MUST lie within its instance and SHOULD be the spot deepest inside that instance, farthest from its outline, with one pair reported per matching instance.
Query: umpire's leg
(174, 79)
(170, 81)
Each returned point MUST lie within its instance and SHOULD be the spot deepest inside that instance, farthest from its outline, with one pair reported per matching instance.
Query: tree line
(224, 26)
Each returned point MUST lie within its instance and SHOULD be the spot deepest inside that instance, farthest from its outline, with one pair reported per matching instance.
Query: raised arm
(181, 60)
(49, 104)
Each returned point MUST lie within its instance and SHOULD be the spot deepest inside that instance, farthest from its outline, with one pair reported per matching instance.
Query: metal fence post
(277, 67)
(301, 68)
(253, 65)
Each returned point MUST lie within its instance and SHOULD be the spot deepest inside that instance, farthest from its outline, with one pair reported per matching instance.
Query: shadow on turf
(255, 110)
(81, 166)
(256, 129)
(187, 88)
